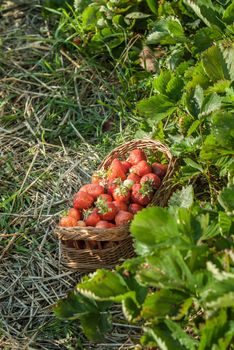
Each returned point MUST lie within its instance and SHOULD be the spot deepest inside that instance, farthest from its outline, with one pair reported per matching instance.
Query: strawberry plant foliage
(180, 273)
(93, 315)
(180, 287)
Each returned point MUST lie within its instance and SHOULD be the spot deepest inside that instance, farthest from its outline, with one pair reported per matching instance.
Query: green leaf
(73, 306)
(216, 331)
(56, 4)
(105, 285)
(168, 85)
(166, 31)
(225, 342)
(194, 127)
(184, 308)
(156, 107)
(228, 15)
(196, 76)
(131, 310)
(219, 87)
(162, 303)
(219, 289)
(137, 15)
(175, 29)
(182, 198)
(211, 150)
(228, 53)
(96, 325)
(189, 172)
(194, 101)
(163, 337)
(221, 141)
(153, 6)
(132, 306)
(167, 270)
(174, 88)
(108, 37)
(206, 11)
(226, 198)
(226, 300)
(225, 223)
(160, 82)
(205, 37)
(80, 5)
(176, 57)
(216, 62)
(211, 103)
(187, 224)
(179, 334)
(159, 228)
(89, 17)
(182, 145)
(95, 320)
(193, 164)
(210, 231)
(223, 129)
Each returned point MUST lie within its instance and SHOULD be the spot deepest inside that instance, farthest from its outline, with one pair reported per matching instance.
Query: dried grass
(37, 180)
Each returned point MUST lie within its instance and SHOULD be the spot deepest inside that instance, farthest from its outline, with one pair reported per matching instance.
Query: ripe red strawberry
(121, 205)
(152, 179)
(159, 169)
(76, 40)
(126, 165)
(141, 194)
(74, 213)
(134, 208)
(142, 168)
(99, 177)
(104, 224)
(91, 218)
(136, 155)
(116, 170)
(112, 185)
(123, 217)
(121, 193)
(93, 189)
(82, 200)
(134, 177)
(67, 221)
(106, 197)
(106, 210)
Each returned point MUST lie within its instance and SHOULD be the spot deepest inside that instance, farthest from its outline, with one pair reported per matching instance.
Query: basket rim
(89, 233)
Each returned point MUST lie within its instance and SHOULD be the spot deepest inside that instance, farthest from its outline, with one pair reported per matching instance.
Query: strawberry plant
(179, 288)
(180, 285)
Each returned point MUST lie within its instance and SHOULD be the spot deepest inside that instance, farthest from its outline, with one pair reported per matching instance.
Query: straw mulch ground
(37, 180)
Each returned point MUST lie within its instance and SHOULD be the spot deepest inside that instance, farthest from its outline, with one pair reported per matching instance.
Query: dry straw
(120, 243)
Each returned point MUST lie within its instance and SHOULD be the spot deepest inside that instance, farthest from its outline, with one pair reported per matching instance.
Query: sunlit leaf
(179, 334)
(226, 198)
(162, 303)
(156, 107)
(105, 285)
(182, 198)
(159, 228)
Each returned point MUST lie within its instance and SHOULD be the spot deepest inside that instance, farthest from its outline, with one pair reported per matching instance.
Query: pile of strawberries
(117, 193)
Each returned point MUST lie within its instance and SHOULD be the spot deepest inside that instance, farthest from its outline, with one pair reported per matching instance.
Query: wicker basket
(88, 259)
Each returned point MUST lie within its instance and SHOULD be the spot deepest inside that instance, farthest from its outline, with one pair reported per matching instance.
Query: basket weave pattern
(90, 259)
